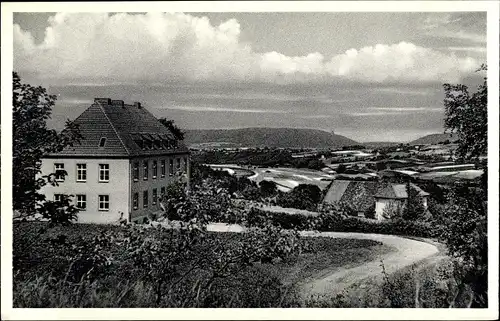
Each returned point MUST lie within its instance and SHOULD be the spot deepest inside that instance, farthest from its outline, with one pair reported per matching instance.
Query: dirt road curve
(406, 253)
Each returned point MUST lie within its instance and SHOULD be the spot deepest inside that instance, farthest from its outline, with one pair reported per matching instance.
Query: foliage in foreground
(430, 285)
(170, 267)
(48, 272)
(31, 140)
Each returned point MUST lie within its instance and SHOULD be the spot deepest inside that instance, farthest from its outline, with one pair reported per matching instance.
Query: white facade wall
(118, 187)
(381, 203)
(138, 186)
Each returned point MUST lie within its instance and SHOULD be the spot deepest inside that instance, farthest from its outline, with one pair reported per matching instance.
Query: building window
(58, 198)
(171, 167)
(136, 171)
(185, 164)
(162, 192)
(81, 202)
(145, 199)
(102, 142)
(155, 169)
(103, 172)
(59, 171)
(81, 172)
(103, 202)
(136, 201)
(155, 196)
(162, 168)
(178, 165)
(146, 169)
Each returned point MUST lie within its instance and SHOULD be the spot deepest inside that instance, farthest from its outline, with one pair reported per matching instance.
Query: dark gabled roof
(361, 195)
(397, 191)
(358, 194)
(122, 125)
(336, 190)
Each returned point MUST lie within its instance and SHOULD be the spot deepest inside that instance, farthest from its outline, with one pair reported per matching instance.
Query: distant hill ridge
(270, 137)
(434, 139)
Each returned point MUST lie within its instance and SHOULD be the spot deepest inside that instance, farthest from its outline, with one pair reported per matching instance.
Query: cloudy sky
(369, 76)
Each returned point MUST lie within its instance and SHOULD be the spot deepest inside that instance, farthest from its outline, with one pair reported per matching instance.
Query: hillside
(433, 139)
(268, 137)
(379, 144)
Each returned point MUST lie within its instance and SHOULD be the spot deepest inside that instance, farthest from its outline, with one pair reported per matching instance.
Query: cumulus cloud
(161, 47)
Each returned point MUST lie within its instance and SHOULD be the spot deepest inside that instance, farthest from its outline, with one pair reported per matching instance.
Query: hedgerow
(335, 223)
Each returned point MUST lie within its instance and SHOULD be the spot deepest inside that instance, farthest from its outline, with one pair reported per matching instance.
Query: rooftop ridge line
(114, 129)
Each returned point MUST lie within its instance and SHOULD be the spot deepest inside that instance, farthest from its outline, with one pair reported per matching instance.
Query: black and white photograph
(254, 156)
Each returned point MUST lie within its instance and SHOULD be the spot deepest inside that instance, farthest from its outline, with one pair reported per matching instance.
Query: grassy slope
(323, 256)
(328, 255)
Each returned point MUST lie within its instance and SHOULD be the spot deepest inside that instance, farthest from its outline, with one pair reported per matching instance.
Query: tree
(393, 210)
(60, 212)
(304, 196)
(467, 239)
(341, 169)
(414, 208)
(315, 164)
(380, 166)
(169, 123)
(466, 115)
(465, 214)
(267, 188)
(31, 140)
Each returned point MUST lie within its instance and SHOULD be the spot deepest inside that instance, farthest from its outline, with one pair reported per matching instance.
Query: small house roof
(397, 191)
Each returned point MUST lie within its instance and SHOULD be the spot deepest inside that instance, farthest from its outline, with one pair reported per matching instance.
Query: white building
(122, 165)
(395, 193)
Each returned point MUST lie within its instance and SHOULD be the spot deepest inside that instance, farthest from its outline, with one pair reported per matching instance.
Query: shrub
(260, 218)
(396, 227)
(335, 219)
(304, 197)
(267, 188)
(60, 212)
(341, 169)
(162, 267)
(393, 210)
(414, 207)
(465, 218)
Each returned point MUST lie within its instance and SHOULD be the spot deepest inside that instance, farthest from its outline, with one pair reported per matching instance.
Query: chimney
(118, 103)
(103, 101)
(137, 104)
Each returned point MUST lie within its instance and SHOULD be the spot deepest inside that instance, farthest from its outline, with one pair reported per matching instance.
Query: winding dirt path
(407, 252)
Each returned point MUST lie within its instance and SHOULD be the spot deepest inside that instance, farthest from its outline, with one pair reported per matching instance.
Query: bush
(393, 210)
(260, 218)
(465, 218)
(152, 267)
(341, 169)
(267, 188)
(414, 207)
(60, 212)
(339, 221)
(396, 227)
(304, 197)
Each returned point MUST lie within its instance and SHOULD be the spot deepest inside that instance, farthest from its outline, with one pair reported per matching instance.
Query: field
(288, 178)
(40, 267)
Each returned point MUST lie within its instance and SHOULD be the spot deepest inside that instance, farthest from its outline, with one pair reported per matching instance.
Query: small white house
(395, 193)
